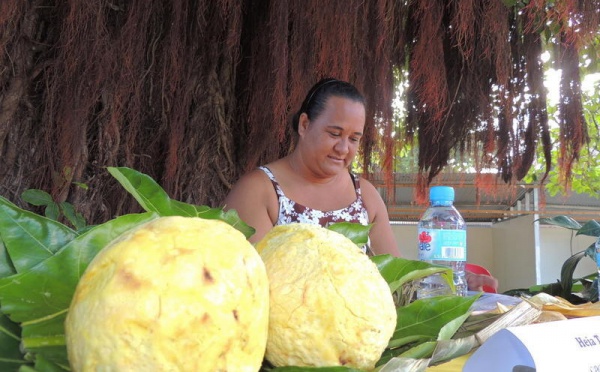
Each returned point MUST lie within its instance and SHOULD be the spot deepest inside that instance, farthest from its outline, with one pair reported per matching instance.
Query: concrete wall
(514, 245)
(556, 245)
(511, 250)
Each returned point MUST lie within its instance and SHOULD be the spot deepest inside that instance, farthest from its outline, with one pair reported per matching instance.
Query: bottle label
(445, 245)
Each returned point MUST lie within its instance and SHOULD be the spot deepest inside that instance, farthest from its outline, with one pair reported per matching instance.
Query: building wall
(514, 248)
(558, 244)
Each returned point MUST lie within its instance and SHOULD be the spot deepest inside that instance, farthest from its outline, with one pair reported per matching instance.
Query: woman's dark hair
(317, 97)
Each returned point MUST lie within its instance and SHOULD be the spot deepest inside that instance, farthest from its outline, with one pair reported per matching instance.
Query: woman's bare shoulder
(372, 198)
(367, 189)
(251, 183)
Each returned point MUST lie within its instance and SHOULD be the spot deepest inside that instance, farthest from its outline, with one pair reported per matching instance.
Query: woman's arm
(254, 199)
(382, 237)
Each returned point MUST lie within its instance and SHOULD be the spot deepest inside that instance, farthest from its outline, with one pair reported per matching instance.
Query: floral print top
(292, 212)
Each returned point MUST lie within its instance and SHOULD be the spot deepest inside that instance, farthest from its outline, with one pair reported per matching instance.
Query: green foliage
(567, 287)
(357, 233)
(153, 198)
(401, 274)
(54, 210)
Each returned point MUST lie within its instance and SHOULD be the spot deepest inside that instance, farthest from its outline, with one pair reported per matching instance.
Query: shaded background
(195, 93)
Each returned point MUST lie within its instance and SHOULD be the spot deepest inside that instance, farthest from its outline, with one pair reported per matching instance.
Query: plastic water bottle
(442, 234)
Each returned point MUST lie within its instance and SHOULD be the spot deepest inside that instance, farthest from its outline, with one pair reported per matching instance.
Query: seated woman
(314, 184)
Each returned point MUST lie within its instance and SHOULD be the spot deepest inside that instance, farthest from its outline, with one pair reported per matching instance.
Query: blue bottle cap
(441, 194)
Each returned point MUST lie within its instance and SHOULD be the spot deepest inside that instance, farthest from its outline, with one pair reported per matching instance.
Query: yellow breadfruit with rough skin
(176, 294)
(329, 305)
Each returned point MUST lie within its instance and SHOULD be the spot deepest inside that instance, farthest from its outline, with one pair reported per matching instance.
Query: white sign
(568, 345)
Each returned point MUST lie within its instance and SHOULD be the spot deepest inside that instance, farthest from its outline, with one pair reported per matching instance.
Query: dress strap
(271, 176)
(356, 182)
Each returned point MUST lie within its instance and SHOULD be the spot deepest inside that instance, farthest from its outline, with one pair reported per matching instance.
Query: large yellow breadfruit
(177, 294)
(329, 303)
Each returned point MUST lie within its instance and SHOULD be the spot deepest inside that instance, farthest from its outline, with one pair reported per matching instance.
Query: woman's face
(329, 142)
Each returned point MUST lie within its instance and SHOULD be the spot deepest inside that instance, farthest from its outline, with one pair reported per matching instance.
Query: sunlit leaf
(399, 271)
(358, 233)
(427, 316)
(153, 198)
(28, 237)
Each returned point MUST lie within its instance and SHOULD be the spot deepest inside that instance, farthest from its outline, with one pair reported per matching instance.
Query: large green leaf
(30, 238)
(399, 271)
(356, 232)
(46, 289)
(428, 316)
(423, 325)
(153, 198)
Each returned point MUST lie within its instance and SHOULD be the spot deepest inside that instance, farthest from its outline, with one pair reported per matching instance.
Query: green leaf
(30, 238)
(566, 274)
(6, 265)
(46, 338)
(52, 211)
(44, 365)
(149, 194)
(450, 328)
(509, 3)
(590, 228)
(562, 221)
(428, 316)
(231, 217)
(358, 233)
(425, 322)
(46, 289)
(36, 197)
(591, 252)
(397, 342)
(399, 271)
(81, 185)
(76, 219)
(152, 198)
(421, 351)
(10, 354)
